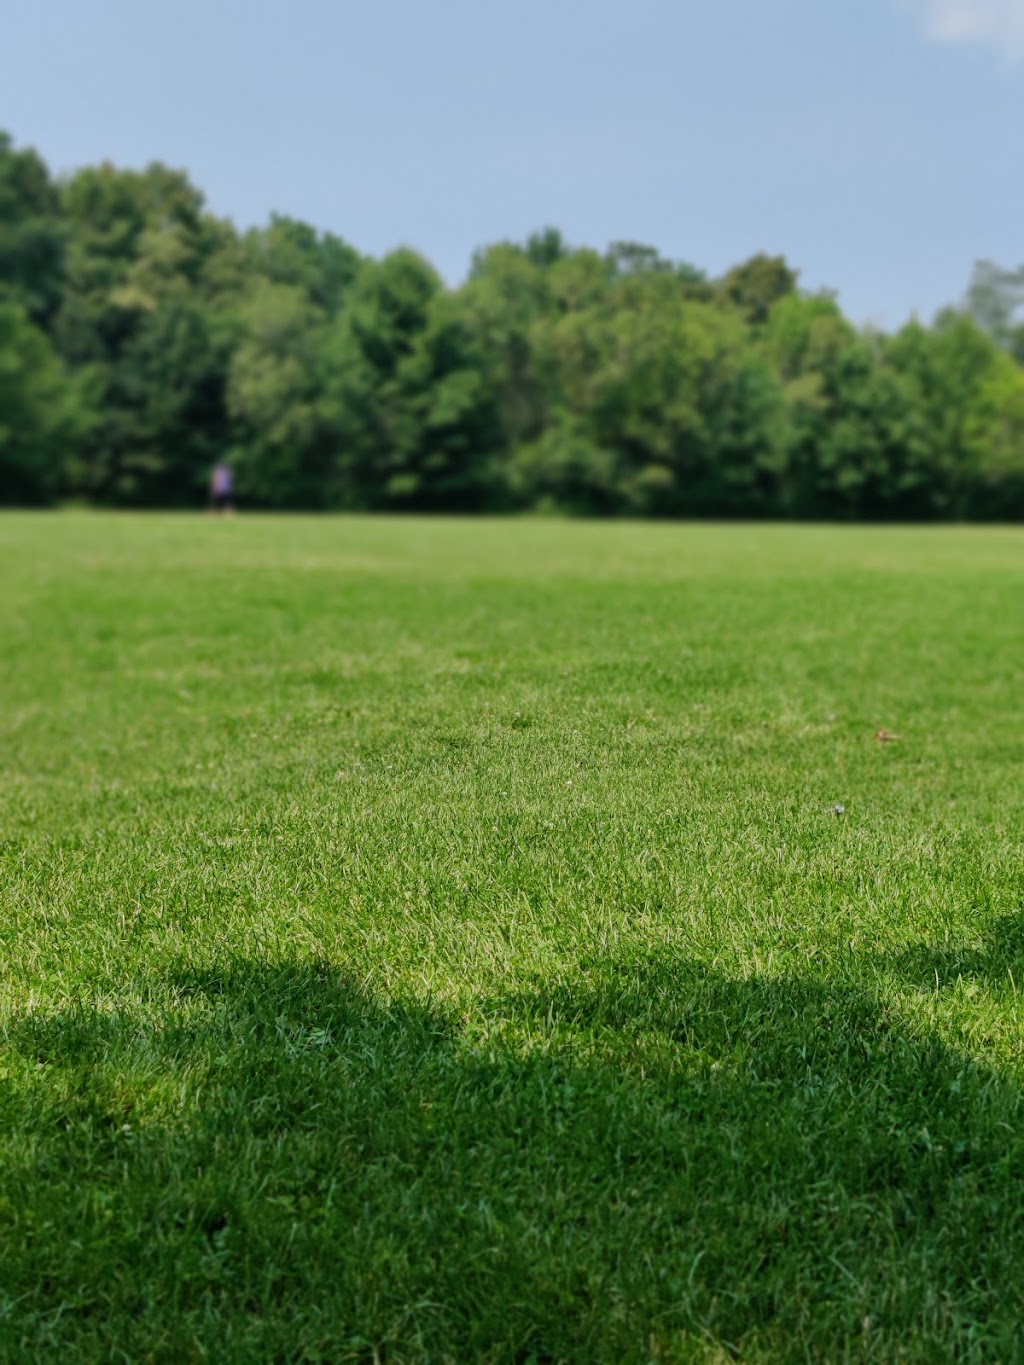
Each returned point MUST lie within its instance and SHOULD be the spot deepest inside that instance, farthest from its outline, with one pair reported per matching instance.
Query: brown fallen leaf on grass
(885, 736)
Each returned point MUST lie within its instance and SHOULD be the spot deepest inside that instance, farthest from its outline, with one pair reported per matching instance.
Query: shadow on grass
(651, 1160)
(999, 962)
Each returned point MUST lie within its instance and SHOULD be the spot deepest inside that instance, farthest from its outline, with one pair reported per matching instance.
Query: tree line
(142, 339)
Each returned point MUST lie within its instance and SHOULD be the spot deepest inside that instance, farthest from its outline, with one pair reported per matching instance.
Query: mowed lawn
(437, 940)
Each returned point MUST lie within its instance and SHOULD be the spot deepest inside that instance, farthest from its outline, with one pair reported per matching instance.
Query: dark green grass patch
(427, 940)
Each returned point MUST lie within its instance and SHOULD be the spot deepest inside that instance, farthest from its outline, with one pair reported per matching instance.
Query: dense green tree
(144, 316)
(161, 421)
(113, 218)
(678, 390)
(31, 234)
(949, 369)
(566, 470)
(419, 422)
(286, 431)
(757, 284)
(994, 440)
(859, 445)
(545, 247)
(293, 253)
(502, 305)
(460, 436)
(40, 414)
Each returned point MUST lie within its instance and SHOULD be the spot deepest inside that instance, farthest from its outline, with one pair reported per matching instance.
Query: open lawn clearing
(435, 939)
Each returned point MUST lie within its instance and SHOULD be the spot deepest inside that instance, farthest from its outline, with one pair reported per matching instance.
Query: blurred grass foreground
(507, 940)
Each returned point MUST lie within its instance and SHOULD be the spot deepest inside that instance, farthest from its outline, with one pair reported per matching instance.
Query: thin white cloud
(998, 23)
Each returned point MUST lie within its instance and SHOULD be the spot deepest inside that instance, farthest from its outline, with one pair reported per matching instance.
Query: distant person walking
(222, 489)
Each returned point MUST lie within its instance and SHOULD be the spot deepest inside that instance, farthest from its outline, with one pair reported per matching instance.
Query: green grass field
(435, 940)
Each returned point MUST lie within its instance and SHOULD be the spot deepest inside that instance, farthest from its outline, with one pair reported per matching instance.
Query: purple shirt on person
(223, 483)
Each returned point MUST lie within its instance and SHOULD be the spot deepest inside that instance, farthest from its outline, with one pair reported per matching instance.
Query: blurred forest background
(142, 339)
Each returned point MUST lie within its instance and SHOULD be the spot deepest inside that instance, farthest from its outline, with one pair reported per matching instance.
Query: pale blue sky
(876, 143)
